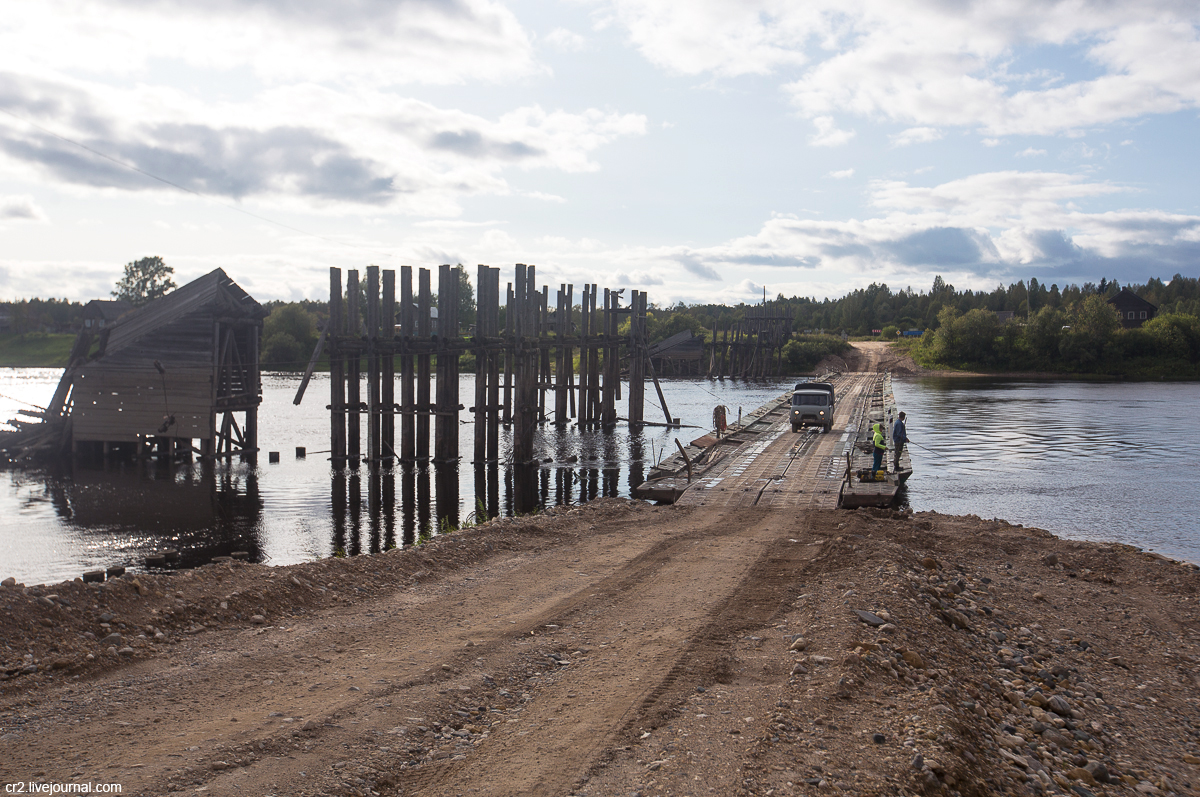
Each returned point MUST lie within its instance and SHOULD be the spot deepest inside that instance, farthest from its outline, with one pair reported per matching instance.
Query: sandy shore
(625, 649)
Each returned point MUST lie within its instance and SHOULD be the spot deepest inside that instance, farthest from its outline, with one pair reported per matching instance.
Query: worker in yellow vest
(880, 446)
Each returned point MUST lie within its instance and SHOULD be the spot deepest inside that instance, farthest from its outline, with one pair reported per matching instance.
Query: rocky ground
(624, 649)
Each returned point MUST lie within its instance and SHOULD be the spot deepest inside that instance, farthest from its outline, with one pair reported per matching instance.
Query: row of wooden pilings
(751, 347)
(515, 367)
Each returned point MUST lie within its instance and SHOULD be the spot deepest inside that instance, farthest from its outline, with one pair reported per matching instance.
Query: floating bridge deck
(762, 462)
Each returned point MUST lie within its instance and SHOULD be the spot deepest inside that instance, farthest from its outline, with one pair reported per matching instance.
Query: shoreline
(833, 651)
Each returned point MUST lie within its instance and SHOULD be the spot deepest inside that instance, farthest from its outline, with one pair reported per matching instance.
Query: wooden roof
(1130, 300)
(680, 343)
(108, 309)
(212, 296)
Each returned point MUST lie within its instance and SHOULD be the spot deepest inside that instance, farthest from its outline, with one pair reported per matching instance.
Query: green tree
(977, 331)
(1094, 325)
(145, 280)
(466, 298)
(1044, 332)
(1175, 335)
(289, 334)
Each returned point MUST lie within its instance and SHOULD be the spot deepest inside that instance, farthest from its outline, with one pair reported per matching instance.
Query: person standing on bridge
(899, 438)
(880, 446)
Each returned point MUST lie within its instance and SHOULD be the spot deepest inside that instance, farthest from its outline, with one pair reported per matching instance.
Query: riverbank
(620, 648)
(35, 350)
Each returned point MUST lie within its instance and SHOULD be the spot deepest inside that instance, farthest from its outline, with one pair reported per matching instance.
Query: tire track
(684, 641)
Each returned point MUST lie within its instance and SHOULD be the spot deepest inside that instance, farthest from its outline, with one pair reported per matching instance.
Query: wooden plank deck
(777, 467)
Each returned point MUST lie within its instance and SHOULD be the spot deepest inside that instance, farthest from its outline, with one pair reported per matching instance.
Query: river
(1087, 460)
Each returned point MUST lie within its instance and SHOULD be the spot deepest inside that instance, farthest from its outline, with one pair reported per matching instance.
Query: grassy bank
(35, 350)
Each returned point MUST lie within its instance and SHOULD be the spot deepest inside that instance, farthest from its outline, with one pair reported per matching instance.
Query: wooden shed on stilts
(170, 378)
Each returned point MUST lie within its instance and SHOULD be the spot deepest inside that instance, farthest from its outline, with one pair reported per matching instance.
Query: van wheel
(828, 427)
(795, 428)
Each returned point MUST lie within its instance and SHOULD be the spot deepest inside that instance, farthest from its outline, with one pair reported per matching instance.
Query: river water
(1086, 460)
(56, 524)
(1095, 461)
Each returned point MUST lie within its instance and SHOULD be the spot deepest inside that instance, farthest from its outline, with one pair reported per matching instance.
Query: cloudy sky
(697, 149)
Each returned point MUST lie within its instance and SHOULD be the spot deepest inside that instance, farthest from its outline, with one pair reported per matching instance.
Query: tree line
(1067, 329)
(142, 281)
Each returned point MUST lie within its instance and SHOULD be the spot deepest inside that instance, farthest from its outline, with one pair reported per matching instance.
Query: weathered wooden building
(177, 370)
(101, 313)
(681, 354)
(1133, 309)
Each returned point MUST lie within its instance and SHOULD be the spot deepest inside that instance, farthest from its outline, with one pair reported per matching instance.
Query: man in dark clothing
(899, 438)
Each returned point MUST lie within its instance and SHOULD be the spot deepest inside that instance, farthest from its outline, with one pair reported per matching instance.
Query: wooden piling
(637, 358)
(423, 407)
(337, 383)
(387, 399)
(492, 331)
(353, 372)
(446, 412)
(374, 427)
(482, 414)
(408, 424)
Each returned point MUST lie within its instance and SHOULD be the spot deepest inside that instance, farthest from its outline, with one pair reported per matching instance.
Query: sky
(699, 150)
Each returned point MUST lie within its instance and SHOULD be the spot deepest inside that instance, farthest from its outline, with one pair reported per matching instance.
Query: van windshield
(810, 399)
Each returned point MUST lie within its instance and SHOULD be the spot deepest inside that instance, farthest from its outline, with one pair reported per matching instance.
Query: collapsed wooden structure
(534, 364)
(158, 379)
(751, 348)
(682, 354)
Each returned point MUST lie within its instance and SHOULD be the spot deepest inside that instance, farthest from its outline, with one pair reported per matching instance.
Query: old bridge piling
(525, 363)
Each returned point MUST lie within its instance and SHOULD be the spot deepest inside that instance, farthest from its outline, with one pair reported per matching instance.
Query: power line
(187, 190)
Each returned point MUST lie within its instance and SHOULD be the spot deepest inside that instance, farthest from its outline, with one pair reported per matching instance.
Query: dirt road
(621, 648)
(877, 357)
(597, 628)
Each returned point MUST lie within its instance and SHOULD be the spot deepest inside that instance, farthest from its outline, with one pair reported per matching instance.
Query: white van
(812, 405)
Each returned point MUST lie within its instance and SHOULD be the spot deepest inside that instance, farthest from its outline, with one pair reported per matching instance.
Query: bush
(804, 352)
(282, 352)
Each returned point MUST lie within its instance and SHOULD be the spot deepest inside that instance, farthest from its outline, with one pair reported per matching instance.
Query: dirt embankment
(620, 648)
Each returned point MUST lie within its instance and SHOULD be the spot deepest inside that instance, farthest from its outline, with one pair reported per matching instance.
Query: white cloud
(1030, 152)
(974, 231)
(302, 146)
(385, 42)
(542, 196)
(991, 142)
(455, 224)
(842, 174)
(565, 41)
(916, 135)
(748, 288)
(932, 64)
(828, 134)
(20, 208)
(739, 37)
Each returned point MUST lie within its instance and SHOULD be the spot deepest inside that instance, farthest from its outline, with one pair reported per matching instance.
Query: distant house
(101, 313)
(1005, 315)
(1133, 309)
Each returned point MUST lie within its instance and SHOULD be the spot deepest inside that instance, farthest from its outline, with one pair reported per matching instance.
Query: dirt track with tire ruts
(620, 648)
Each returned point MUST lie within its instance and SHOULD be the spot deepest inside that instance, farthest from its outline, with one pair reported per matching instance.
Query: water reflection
(423, 512)
(56, 525)
(121, 511)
